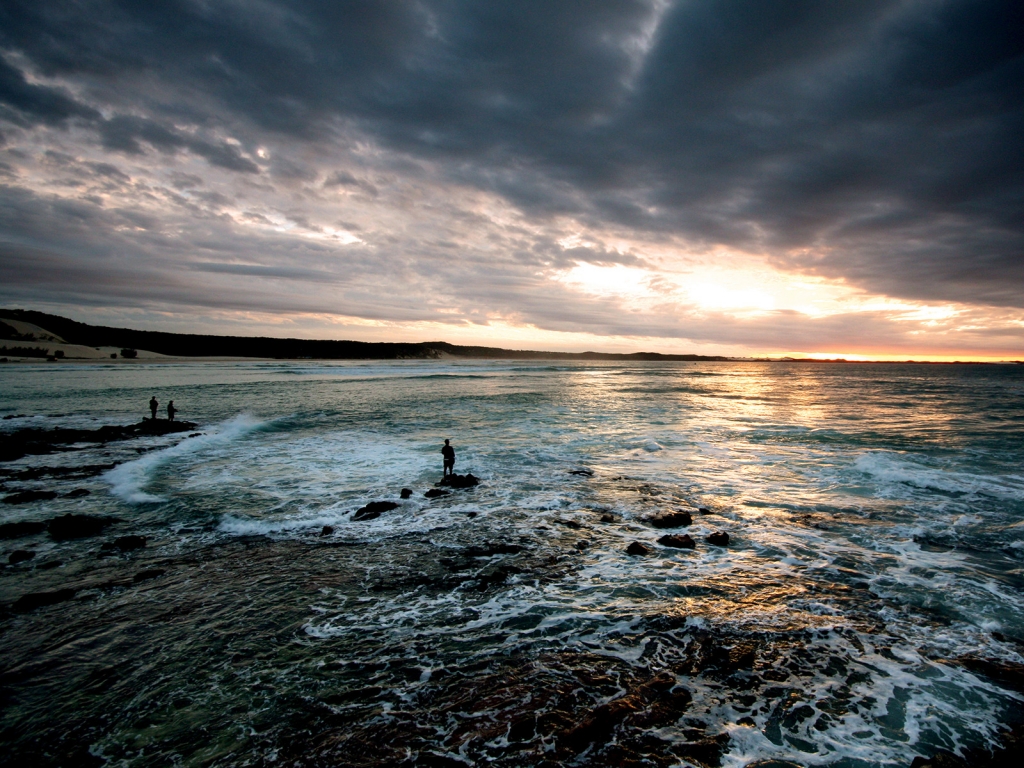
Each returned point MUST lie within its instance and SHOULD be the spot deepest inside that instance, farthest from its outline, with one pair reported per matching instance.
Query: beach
(228, 608)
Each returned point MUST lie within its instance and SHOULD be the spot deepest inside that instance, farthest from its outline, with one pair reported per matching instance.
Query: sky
(702, 176)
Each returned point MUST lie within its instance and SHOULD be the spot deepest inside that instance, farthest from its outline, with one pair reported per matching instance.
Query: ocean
(868, 607)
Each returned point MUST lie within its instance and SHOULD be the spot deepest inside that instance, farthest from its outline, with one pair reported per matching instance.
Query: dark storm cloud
(877, 142)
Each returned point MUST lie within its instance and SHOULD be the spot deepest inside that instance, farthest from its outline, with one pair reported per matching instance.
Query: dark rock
(569, 524)
(434, 493)
(26, 497)
(77, 526)
(36, 442)
(126, 543)
(39, 599)
(940, 759)
(678, 542)
(489, 550)
(671, 520)
(406, 493)
(600, 724)
(704, 510)
(327, 530)
(20, 556)
(522, 730)
(582, 472)
(719, 539)
(17, 530)
(373, 510)
(705, 751)
(607, 518)
(78, 493)
(471, 514)
(636, 548)
(582, 544)
(49, 565)
(467, 480)
(149, 573)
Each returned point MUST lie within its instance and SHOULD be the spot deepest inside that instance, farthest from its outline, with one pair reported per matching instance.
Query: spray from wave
(129, 480)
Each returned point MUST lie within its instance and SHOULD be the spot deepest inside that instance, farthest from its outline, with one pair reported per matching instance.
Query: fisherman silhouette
(152, 406)
(449, 459)
(171, 410)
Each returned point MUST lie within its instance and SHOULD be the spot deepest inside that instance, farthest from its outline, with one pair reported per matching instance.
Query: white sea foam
(128, 480)
(891, 470)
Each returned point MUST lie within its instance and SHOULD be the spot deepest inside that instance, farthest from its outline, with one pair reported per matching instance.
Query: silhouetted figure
(171, 410)
(152, 406)
(449, 459)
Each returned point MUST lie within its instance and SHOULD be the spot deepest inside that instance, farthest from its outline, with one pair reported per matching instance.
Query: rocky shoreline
(233, 616)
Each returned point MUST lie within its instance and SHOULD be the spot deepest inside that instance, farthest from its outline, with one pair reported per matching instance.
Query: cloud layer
(450, 163)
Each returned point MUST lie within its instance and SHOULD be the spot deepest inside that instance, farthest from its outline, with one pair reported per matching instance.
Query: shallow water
(877, 540)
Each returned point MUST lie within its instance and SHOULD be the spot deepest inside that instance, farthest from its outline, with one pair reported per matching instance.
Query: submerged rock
(327, 530)
(373, 510)
(20, 556)
(671, 520)
(636, 548)
(39, 599)
(27, 497)
(582, 472)
(149, 573)
(125, 543)
(77, 526)
(406, 493)
(677, 541)
(434, 493)
(17, 530)
(78, 493)
(719, 538)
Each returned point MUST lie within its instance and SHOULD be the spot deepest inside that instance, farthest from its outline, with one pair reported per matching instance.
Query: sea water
(875, 515)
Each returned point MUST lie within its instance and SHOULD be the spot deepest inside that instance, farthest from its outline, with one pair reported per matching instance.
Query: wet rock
(607, 518)
(34, 600)
(705, 751)
(435, 493)
(768, 763)
(78, 493)
(18, 530)
(940, 759)
(406, 493)
(671, 520)
(327, 530)
(27, 497)
(77, 526)
(582, 544)
(489, 550)
(582, 472)
(677, 541)
(373, 510)
(719, 539)
(704, 510)
(37, 442)
(471, 514)
(20, 556)
(600, 724)
(569, 524)
(125, 543)
(467, 480)
(149, 573)
(636, 548)
(49, 565)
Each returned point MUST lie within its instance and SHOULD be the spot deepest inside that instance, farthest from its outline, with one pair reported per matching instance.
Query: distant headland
(27, 333)
(52, 331)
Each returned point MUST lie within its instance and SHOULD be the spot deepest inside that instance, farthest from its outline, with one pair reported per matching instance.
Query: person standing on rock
(449, 459)
(171, 410)
(152, 406)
